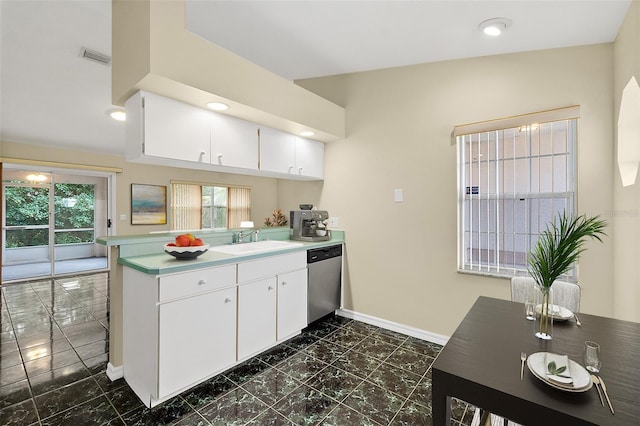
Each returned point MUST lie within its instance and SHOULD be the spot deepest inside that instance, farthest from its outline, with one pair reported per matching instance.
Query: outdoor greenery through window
(512, 182)
(27, 207)
(202, 206)
(214, 207)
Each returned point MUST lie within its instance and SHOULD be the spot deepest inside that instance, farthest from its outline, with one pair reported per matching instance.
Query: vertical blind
(186, 206)
(239, 208)
(512, 183)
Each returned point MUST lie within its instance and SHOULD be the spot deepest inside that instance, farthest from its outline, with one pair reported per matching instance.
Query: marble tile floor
(337, 372)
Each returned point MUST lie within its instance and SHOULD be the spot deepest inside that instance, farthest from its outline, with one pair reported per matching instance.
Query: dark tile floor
(337, 372)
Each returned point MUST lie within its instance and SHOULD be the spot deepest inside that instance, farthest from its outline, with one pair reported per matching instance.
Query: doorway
(50, 222)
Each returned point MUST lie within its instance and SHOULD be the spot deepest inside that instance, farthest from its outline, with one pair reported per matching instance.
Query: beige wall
(626, 213)
(402, 256)
(264, 191)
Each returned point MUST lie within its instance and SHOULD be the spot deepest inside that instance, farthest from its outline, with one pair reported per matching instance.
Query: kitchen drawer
(270, 266)
(193, 282)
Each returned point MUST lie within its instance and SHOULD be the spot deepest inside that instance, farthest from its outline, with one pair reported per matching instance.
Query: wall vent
(92, 55)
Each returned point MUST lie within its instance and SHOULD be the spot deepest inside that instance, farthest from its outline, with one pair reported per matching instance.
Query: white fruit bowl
(185, 253)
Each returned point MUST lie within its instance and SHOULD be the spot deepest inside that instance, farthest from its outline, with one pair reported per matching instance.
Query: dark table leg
(440, 404)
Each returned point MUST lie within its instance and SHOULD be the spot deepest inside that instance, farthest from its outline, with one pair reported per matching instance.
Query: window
(514, 177)
(201, 206)
(214, 207)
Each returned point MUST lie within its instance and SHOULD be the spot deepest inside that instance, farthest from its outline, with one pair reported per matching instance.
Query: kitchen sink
(257, 247)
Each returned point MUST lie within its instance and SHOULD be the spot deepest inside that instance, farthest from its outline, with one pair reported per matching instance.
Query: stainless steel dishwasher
(325, 277)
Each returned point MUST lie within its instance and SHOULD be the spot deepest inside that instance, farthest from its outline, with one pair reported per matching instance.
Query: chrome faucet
(241, 236)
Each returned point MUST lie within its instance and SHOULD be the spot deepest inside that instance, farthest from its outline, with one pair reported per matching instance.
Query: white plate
(581, 377)
(558, 313)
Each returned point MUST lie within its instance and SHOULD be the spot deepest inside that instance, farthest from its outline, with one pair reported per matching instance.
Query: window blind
(512, 183)
(186, 206)
(239, 208)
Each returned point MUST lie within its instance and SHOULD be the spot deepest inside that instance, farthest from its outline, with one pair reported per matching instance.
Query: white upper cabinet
(277, 151)
(309, 158)
(282, 152)
(164, 131)
(174, 129)
(234, 142)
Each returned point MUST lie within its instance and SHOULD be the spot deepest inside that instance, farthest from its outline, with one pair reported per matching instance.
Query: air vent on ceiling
(92, 55)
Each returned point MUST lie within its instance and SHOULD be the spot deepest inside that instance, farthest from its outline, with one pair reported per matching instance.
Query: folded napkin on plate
(557, 369)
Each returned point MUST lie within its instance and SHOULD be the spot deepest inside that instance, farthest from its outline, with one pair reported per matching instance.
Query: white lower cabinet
(256, 316)
(271, 310)
(292, 303)
(181, 329)
(197, 338)
(178, 329)
(272, 301)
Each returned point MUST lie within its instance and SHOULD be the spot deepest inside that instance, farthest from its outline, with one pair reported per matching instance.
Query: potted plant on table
(557, 250)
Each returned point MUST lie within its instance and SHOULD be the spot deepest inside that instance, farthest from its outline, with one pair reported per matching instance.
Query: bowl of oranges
(186, 247)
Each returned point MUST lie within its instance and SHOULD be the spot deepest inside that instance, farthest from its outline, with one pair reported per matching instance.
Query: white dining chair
(565, 294)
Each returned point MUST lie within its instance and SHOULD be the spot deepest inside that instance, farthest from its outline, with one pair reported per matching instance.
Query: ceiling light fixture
(117, 114)
(217, 106)
(495, 26)
(307, 133)
(36, 177)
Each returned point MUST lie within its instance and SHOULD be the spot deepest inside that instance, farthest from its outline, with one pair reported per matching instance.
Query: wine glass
(592, 356)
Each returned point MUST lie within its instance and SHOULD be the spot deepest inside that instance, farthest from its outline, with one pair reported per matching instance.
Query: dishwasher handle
(323, 253)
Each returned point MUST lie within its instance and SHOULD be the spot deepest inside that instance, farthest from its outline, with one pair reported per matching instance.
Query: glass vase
(544, 307)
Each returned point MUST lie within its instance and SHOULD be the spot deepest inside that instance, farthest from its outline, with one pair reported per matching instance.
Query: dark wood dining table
(480, 364)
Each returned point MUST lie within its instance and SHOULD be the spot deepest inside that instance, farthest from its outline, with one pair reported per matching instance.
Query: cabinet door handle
(284, 283)
(290, 167)
(269, 288)
(227, 300)
(219, 158)
(299, 170)
(202, 282)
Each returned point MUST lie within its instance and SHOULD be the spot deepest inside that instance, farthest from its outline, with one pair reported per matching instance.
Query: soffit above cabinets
(166, 59)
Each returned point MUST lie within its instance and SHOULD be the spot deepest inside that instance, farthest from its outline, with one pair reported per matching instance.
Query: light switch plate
(398, 195)
(334, 222)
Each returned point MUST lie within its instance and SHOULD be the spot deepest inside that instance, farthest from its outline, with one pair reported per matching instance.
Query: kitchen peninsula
(184, 321)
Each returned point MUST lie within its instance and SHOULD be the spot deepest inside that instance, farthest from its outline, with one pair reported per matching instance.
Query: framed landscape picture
(148, 204)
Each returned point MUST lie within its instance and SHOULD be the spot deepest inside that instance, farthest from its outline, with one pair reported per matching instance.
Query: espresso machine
(309, 225)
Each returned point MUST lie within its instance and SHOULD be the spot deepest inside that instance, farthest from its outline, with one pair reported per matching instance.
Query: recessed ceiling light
(307, 133)
(495, 26)
(117, 114)
(217, 106)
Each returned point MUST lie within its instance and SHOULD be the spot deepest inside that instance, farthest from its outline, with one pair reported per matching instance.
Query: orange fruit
(182, 241)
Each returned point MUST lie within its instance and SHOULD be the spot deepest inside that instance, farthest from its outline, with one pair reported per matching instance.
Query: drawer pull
(227, 300)
(202, 282)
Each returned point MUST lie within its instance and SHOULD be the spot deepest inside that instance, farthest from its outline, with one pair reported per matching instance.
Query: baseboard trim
(394, 326)
(114, 373)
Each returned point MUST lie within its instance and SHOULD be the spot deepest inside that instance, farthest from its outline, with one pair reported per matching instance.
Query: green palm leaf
(559, 247)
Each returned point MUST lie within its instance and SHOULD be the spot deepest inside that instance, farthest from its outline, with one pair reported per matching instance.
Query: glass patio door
(50, 224)
(27, 228)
